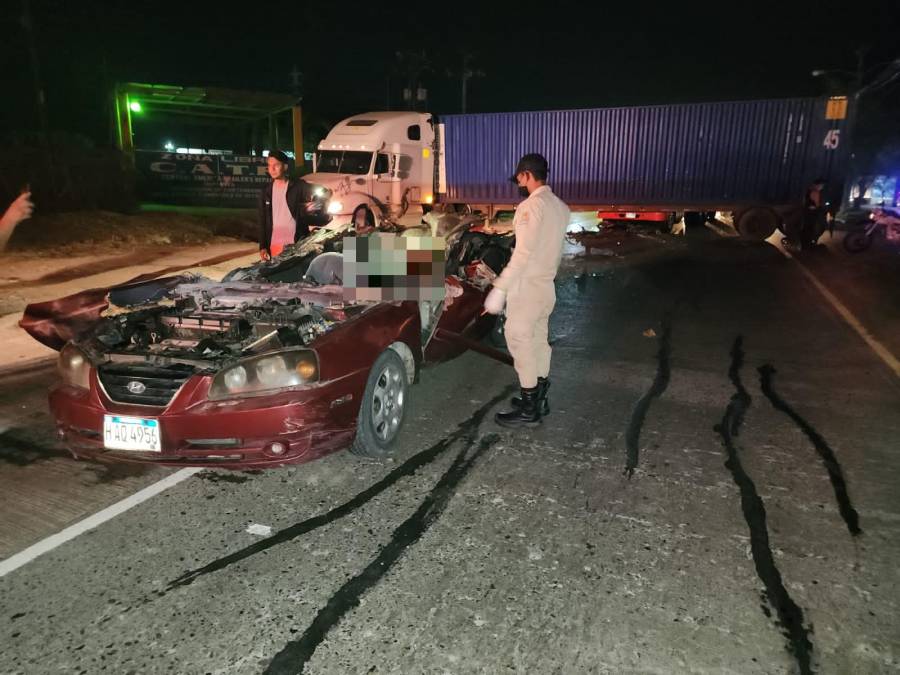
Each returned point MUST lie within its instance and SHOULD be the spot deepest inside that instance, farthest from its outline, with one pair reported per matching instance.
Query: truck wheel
(693, 220)
(669, 224)
(757, 223)
(792, 224)
(383, 407)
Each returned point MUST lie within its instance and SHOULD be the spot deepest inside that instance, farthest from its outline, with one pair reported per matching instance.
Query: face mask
(523, 191)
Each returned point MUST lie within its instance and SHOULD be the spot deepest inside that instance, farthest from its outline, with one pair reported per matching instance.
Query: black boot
(525, 415)
(543, 387)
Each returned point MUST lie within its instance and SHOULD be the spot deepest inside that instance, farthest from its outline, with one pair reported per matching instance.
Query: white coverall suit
(540, 226)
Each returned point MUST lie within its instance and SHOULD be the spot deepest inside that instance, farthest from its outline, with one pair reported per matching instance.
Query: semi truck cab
(382, 159)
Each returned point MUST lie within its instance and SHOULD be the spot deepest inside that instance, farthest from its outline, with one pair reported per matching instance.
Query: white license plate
(631, 216)
(131, 433)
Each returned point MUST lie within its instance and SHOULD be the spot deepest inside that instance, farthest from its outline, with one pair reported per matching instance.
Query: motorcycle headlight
(334, 208)
(265, 374)
(74, 367)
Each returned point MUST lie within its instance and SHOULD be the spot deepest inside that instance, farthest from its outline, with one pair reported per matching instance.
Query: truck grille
(141, 383)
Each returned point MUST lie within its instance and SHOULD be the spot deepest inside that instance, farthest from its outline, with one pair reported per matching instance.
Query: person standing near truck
(813, 215)
(287, 207)
(526, 287)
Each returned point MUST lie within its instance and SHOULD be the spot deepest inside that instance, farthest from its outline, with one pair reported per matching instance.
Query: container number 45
(832, 139)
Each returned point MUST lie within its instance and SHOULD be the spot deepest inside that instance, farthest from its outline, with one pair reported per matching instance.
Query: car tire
(383, 408)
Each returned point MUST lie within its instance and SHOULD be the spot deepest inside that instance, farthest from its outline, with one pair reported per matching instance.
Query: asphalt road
(713, 492)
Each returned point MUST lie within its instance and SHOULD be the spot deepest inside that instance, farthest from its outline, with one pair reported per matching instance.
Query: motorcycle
(861, 238)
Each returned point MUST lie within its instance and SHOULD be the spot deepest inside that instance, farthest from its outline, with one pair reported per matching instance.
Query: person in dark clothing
(813, 214)
(363, 220)
(287, 208)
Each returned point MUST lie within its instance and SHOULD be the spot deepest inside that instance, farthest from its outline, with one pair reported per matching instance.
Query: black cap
(534, 163)
(280, 156)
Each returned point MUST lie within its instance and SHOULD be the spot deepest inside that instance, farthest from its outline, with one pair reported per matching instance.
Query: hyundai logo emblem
(136, 387)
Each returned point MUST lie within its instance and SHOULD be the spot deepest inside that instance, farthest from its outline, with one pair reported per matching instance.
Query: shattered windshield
(344, 161)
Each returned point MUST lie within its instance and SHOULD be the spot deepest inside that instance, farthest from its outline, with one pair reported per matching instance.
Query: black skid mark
(408, 468)
(660, 382)
(292, 659)
(743, 397)
(835, 473)
(790, 616)
(213, 477)
(17, 450)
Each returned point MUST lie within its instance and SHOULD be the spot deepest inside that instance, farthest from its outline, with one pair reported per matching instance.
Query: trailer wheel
(694, 220)
(668, 227)
(791, 224)
(757, 223)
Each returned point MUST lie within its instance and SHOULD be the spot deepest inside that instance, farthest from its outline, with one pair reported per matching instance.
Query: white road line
(880, 350)
(89, 523)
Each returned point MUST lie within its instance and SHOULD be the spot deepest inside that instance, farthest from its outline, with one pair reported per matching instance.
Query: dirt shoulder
(86, 232)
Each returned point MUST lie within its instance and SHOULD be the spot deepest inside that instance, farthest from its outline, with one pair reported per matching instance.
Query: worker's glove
(495, 300)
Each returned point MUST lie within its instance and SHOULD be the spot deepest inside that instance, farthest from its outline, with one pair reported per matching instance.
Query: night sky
(552, 55)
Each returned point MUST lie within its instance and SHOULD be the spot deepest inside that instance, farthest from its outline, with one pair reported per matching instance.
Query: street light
(889, 74)
(820, 73)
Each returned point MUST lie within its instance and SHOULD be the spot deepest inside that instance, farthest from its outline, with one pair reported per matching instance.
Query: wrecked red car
(263, 368)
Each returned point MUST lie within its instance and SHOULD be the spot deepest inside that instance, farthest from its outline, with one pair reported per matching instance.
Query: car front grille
(141, 383)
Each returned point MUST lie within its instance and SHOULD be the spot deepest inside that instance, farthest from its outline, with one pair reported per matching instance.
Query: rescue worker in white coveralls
(527, 289)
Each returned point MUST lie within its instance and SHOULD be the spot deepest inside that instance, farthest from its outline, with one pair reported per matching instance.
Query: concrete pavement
(756, 423)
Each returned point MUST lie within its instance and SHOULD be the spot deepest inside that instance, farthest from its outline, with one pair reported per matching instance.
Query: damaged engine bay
(271, 305)
(205, 323)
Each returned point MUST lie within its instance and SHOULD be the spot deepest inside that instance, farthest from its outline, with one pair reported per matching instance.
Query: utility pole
(39, 98)
(297, 116)
(466, 74)
(411, 66)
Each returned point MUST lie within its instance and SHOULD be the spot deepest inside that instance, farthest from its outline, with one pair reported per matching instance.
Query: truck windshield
(344, 161)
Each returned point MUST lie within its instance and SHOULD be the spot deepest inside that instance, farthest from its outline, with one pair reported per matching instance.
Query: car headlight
(74, 367)
(265, 374)
(334, 208)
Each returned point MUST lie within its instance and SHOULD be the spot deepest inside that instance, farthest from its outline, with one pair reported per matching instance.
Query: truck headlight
(74, 367)
(334, 208)
(265, 374)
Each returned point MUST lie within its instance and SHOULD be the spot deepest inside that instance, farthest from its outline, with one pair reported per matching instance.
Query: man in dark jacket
(287, 208)
(813, 223)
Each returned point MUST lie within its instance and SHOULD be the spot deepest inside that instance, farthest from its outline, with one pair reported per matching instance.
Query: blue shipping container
(713, 155)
